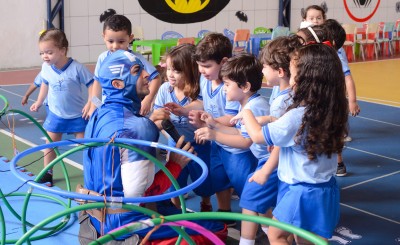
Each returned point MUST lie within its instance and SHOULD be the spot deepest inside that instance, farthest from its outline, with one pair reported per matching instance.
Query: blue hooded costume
(119, 117)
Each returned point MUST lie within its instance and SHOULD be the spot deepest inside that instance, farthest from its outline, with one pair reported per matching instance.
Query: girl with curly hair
(306, 139)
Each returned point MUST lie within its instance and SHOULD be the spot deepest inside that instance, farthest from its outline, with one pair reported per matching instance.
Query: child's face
(175, 78)
(209, 69)
(116, 40)
(232, 90)
(51, 54)
(315, 16)
(271, 75)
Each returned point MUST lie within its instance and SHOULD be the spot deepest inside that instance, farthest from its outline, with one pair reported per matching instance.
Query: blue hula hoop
(74, 195)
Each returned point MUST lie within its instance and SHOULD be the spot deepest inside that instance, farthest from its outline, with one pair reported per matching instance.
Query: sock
(265, 229)
(244, 241)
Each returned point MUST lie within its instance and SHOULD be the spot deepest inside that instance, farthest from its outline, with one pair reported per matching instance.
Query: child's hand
(146, 106)
(234, 120)
(179, 158)
(86, 110)
(159, 115)
(354, 108)
(201, 135)
(175, 109)
(259, 177)
(35, 106)
(195, 118)
(24, 100)
(208, 119)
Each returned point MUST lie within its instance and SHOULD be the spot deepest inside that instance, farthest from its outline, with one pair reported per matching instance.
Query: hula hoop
(118, 200)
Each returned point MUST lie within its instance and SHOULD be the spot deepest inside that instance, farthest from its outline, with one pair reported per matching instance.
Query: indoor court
(370, 196)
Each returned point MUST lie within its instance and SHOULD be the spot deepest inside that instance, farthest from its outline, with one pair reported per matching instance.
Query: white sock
(265, 229)
(244, 241)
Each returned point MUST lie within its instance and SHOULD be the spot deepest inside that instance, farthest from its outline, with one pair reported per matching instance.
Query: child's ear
(281, 72)
(225, 59)
(247, 87)
(131, 37)
(118, 84)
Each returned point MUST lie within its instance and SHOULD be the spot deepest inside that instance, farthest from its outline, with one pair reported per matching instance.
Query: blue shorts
(312, 207)
(194, 170)
(260, 198)
(56, 124)
(230, 170)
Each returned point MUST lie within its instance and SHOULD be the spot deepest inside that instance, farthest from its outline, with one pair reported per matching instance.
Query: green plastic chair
(260, 30)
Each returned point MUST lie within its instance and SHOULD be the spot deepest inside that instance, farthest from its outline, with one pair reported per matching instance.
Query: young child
(211, 53)
(117, 34)
(242, 76)
(258, 199)
(62, 80)
(306, 139)
(317, 15)
(183, 88)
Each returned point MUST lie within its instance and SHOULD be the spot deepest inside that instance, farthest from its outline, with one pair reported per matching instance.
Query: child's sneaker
(347, 139)
(341, 170)
(47, 178)
(228, 222)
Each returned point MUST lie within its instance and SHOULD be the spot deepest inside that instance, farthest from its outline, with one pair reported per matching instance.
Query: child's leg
(224, 200)
(249, 229)
(79, 135)
(300, 240)
(49, 154)
(278, 236)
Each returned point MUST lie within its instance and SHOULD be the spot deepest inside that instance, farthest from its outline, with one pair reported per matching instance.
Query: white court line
(376, 101)
(12, 92)
(66, 160)
(366, 118)
(372, 214)
(12, 85)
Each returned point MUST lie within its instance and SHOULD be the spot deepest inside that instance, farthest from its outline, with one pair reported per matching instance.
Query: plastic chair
(385, 38)
(241, 41)
(396, 37)
(260, 30)
(351, 36)
(369, 41)
(280, 31)
(202, 33)
(170, 35)
(229, 34)
(190, 40)
(138, 34)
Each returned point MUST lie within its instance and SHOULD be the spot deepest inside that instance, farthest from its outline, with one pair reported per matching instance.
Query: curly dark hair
(277, 53)
(182, 60)
(115, 22)
(320, 87)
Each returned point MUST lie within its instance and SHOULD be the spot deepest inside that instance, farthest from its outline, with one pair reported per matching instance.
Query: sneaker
(228, 222)
(347, 139)
(47, 178)
(341, 170)
(204, 207)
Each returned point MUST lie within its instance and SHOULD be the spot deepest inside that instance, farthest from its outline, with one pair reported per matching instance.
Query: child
(117, 34)
(211, 53)
(182, 88)
(306, 139)
(258, 199)
(62, 80)
(242, 75)
(317, 15)
(36, 84)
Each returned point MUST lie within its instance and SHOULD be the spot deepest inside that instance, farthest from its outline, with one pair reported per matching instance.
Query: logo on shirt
(117, 69)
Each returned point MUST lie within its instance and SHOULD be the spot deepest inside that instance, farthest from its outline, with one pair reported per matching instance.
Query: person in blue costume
(117, 172)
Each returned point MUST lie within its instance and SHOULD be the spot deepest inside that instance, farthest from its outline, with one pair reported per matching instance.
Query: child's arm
(252, 127)
(351, 92)
(28, 93)
(261, 176)
(95, 90)
(42, 96)
(86, 113)
(147, 102)
(184, 111)
(232, 140)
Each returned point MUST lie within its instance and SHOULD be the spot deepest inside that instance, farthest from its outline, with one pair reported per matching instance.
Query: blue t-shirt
(294, 165)
(65, 94)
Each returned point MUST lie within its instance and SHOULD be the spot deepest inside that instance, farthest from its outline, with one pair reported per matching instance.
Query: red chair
(190, 40)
